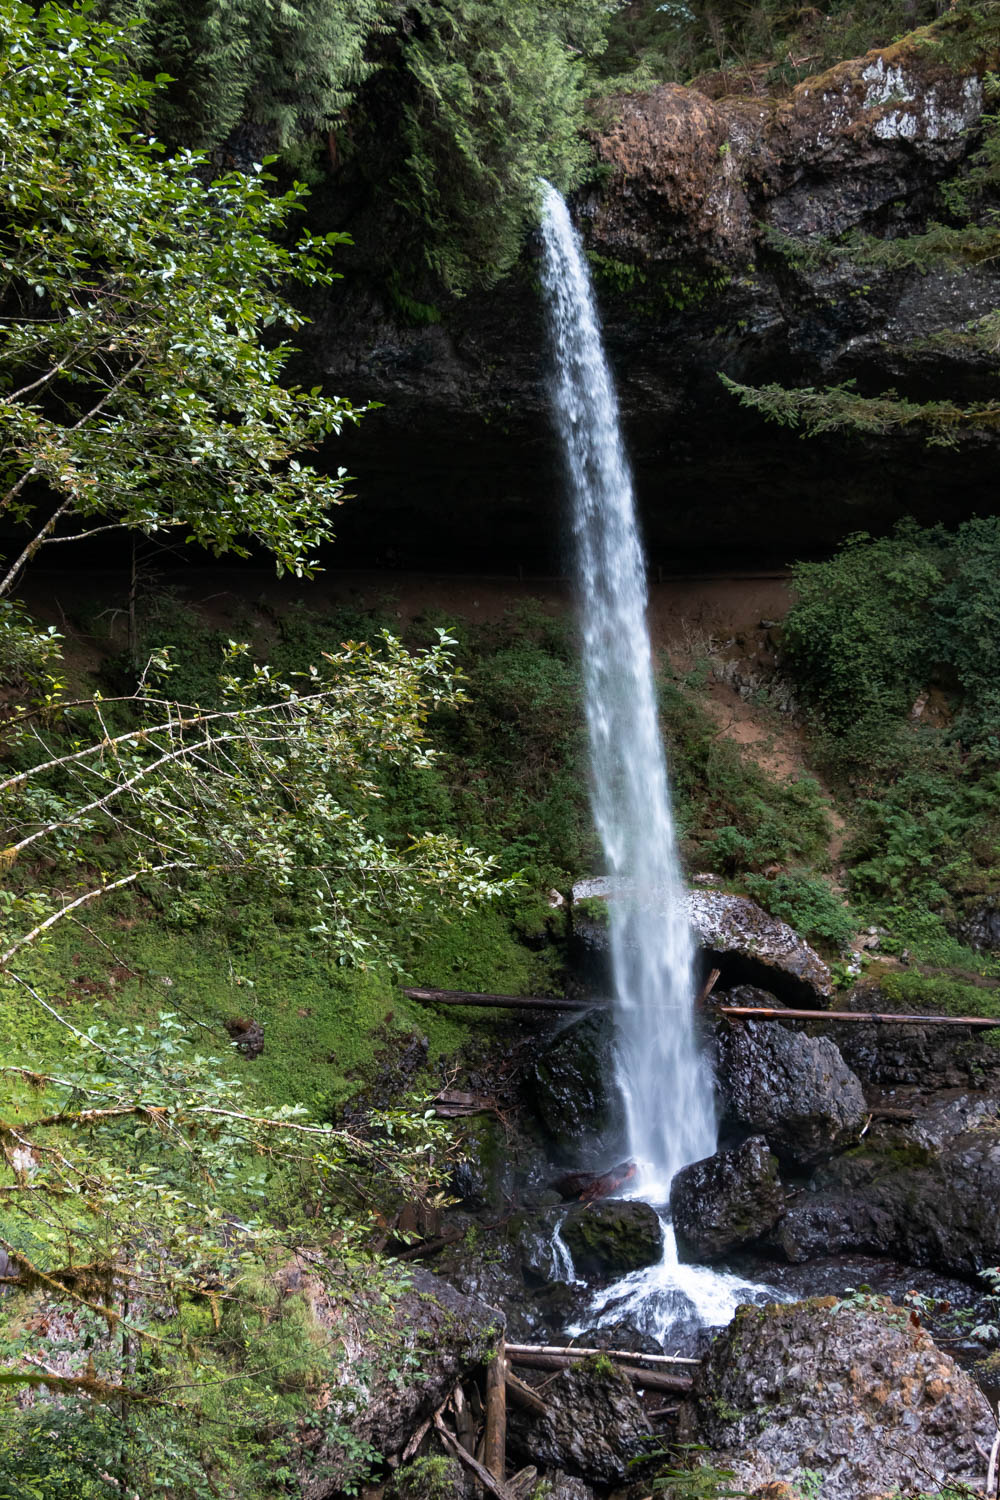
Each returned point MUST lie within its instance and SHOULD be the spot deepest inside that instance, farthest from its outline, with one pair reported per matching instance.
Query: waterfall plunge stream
(664, 1082)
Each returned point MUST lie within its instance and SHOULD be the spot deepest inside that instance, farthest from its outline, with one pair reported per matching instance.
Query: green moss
(940, 994)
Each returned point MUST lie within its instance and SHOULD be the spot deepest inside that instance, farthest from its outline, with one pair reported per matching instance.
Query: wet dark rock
(917, 1193)
(566, 1487)
(728, 1200)
(850, 1388)
(611, 1237)
(930, 1057)
(570, 1084)
(980, 928)
(247, 1035)
(499, 1168)
(593, 1427)
(532, 1237)
(556, 1305)
(794, 1089)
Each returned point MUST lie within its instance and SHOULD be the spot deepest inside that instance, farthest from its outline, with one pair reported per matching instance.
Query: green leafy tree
(267, 794)
(136, 388)
(447, 110)
(149, 1210)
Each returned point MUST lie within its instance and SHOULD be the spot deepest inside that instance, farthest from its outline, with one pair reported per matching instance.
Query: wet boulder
(928, 1057)
(849, 1387)
(925, 1193)
(980, 927)
(566, 1486)
(752, 947)
(728, 1200)
(609, 1238)
(593, 1427)
(570, 1088)
(734, 933)
(794, 1089)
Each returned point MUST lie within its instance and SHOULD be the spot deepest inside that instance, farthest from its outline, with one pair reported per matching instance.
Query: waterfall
(664, 1083)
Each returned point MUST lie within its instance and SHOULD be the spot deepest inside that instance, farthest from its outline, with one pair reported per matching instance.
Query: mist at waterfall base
(665, 1084)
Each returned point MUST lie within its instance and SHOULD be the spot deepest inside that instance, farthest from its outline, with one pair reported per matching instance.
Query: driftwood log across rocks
(733, 1012)
(648, 1370)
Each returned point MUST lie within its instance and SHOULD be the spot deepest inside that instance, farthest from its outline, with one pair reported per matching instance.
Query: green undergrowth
(510, 777)
(324, 1025)
(894, 649)
(943, 994)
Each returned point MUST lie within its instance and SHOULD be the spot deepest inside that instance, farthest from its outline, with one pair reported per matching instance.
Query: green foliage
(450, 110)
(281, 71)
(651, 42)
(807, 904)
(857, 634)
(732, 816)
(515, 757)
(270, 791)
(427, 1479)
(135, 386)
(882, 619)
(147, 1215)
(950, 995)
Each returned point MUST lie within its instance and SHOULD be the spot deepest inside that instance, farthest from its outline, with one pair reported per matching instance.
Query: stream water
(665, 1085)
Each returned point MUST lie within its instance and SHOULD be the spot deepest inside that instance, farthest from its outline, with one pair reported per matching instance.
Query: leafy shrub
(885, 618)
(808, 905)
(857, 636)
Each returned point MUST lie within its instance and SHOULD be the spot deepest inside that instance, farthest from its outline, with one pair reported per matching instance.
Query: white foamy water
(664, 1081)
(671, 1297)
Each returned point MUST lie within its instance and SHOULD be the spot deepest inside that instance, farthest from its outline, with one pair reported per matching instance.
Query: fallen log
(752, 1013)
(522, 1394)
(495, 1450)
(707, 988)
(617, 1356)
(427, 1247)
(650, 1380)
(734, 1012)
(451, 1443)
(500, 1002)
(586, 1186)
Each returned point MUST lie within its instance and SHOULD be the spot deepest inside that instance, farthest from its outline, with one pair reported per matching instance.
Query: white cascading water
(665, 1084)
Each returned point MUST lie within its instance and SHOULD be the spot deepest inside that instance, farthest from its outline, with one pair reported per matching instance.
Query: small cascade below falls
(665, 1083)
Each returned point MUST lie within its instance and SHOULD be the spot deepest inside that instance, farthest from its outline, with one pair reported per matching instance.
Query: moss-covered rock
(612, 1237)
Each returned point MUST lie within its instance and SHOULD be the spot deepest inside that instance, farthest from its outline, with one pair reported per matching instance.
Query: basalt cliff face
(689, 229)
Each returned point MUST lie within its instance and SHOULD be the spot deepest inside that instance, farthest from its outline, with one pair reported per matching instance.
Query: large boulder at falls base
(851, 1388)
(925, 1193)
(728, 1200)
(734, 934)
(794, 1089)
(612, 1237)
(594, 1425)
(747, 943)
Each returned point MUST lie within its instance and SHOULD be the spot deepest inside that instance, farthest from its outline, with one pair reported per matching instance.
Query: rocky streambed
(842, 1226)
